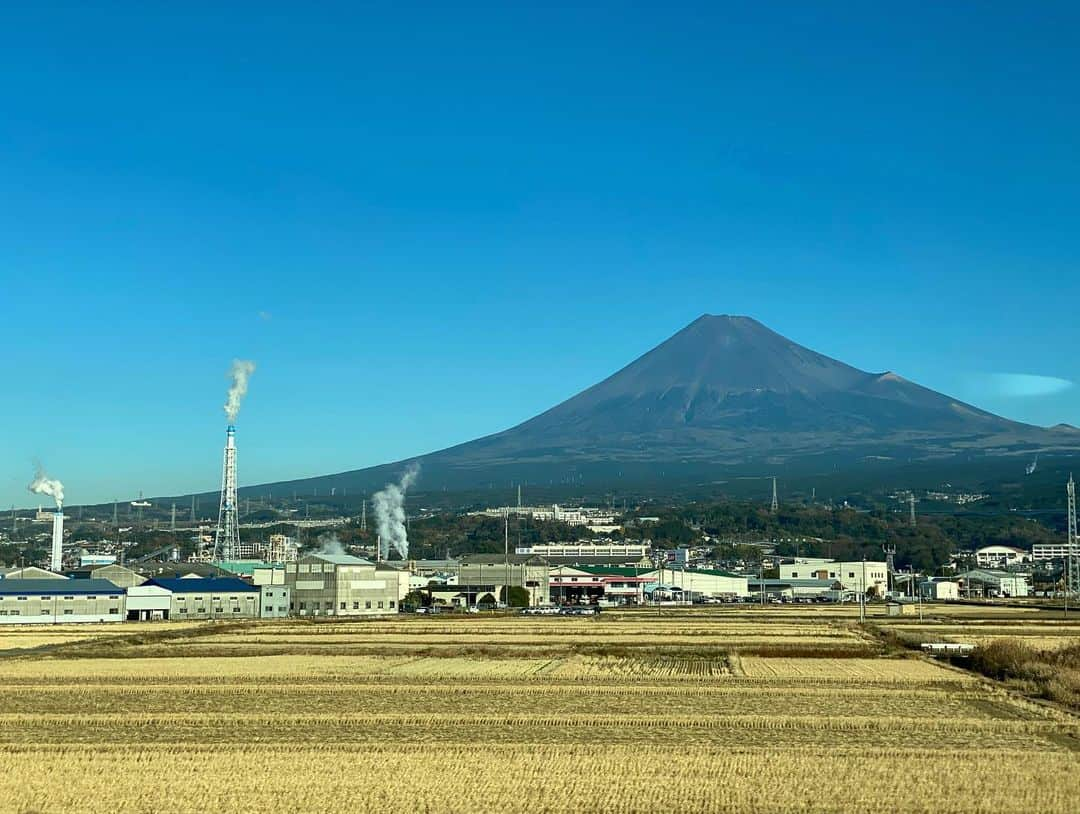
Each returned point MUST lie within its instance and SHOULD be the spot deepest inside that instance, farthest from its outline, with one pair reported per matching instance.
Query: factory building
(60, 601)
(700, 582)
(517, 570)
(30, 572)
(118, 575)
(595, 583)
(206, 597)
(983, 582)
(857, 575)
(342, 585)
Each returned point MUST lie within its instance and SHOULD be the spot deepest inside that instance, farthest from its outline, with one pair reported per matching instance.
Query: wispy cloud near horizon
(1022, 385)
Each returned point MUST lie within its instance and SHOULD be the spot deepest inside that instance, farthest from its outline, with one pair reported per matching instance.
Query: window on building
(281, 609)
(183, 610)
(91, 597)
(303, 605)
(114, 611)
(380, 604)
(45, 612)
(356, 606)
(367, 605)
(22, 598)
(343, 606)
(315, 605)
(68, 611)
(69, 598)
(391, 603)
(851, 575)
(200, 610)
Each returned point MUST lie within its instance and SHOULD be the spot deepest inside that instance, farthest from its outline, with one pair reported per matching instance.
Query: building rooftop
(500, 559)
(209, 584)
(339, 559)
(57, 586)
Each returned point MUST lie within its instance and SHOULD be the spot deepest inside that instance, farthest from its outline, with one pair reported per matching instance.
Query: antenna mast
(775, 501)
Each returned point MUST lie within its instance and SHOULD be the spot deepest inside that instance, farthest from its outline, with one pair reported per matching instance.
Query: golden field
(686, 711)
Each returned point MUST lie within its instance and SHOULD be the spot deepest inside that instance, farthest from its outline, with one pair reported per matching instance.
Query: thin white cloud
(265, 316)
(1026, 385)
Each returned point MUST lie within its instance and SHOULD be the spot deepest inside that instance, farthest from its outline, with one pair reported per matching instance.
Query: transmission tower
(227, 535)
(172, 521)
(775, 501)
(911, 506)
(363, 516)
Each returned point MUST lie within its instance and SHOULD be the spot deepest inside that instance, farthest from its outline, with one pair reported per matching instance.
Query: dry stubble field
(736, 710)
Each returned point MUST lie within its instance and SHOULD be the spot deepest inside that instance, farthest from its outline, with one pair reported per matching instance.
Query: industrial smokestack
(57, 561)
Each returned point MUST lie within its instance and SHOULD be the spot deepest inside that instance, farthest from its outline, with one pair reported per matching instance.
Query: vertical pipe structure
(57, 561)
(227, 535)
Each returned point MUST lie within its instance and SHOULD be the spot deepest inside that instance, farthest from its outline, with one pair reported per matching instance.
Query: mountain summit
(727, 392)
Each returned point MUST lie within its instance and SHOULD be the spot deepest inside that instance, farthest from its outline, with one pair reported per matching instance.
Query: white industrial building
(702, 582)
(983, 582)
(60, 601)
(200, 598)
(1000, 556)
(940, 590)
(858, 576)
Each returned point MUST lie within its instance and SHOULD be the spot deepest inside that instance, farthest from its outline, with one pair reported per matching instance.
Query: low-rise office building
(60, 601)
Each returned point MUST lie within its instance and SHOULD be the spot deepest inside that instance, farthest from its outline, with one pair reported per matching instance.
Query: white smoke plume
(240, 373)
(331, 545)
(389, 505)
(42, 484)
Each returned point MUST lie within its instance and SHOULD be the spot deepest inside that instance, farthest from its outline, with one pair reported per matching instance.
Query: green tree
(519, 597)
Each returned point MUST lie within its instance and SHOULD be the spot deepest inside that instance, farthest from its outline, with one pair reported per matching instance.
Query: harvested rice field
(692, 713)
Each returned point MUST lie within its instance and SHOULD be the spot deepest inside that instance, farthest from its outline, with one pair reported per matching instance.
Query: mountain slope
(726, 392)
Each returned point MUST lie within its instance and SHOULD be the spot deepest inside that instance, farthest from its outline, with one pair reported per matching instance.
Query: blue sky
(427, 223)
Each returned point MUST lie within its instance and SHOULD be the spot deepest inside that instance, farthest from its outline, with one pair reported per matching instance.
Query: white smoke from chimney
(389, 505)
(42, 484)
(240, 372)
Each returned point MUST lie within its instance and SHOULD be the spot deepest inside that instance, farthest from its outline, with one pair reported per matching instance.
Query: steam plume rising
(329, 544)
(42, 484)
(240, 372)
(389, 507)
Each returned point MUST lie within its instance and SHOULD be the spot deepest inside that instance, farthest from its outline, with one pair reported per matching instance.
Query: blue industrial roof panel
(54, 587)
(216, 585)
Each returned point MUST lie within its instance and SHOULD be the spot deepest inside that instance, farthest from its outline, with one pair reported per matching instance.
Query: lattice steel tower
(775, 501)
(227, 535)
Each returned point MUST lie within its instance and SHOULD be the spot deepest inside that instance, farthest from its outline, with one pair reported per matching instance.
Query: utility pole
(506, 553)
(1070, 491)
